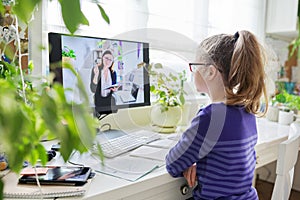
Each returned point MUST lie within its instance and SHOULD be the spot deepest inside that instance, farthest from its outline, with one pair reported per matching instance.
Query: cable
(106, 124)
(99, 116)
(38, 183)
(77, 164)
(74, 163)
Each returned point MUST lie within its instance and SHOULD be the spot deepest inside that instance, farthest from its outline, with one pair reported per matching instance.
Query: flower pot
(285, 118)
(167, 119)
(185, 114)
(272, 113)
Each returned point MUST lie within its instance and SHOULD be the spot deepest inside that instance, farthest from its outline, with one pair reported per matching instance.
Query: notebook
(13, 190)
(46, 195)
(149, 152)
(163, 143)
(127, 167)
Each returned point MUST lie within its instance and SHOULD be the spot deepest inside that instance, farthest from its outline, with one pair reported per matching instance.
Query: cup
(272, 113)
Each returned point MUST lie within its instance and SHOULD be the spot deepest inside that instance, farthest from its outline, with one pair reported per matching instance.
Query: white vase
(167, 119)
(185, 114)
(285, 118)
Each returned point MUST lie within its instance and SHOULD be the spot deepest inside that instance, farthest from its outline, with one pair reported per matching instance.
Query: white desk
(270, 135)
(160, 185)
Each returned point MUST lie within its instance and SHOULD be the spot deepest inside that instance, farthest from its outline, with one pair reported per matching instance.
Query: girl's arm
(188, 150)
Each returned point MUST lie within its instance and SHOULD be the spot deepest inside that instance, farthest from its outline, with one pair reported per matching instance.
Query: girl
(216, 153)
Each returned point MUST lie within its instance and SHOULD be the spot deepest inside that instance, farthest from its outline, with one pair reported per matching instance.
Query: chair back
(287, 158)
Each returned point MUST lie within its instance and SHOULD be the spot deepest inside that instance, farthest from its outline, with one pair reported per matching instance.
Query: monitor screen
(114, 72)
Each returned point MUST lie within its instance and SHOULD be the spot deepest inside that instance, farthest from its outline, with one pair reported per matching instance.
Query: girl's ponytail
(246, 78)
(240, 60)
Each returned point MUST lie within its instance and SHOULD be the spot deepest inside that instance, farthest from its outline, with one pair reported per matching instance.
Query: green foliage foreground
(29, 114)
(71, 12)
(40, 113)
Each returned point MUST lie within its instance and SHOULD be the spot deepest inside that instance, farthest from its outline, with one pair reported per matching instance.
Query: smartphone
(59, 175)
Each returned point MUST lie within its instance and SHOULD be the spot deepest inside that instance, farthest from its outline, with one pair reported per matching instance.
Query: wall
(171, 25)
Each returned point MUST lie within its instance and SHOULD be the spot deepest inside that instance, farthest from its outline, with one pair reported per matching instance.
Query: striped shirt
(220, 140)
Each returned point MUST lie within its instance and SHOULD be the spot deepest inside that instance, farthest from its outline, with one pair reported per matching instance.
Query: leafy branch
(169, 89)
(288, 100)
(29, 114)
(72, 15)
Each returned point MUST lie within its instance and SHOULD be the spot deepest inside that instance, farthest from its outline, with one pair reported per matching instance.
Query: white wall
(169, 25)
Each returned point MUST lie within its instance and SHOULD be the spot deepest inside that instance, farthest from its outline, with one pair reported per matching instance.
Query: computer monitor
(114, 72)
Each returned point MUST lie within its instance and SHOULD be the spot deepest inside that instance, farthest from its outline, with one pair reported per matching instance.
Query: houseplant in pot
(273, 110)
(287, 106)
(169, 92)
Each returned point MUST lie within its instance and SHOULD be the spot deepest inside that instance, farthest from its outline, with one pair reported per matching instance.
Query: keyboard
(125, 143)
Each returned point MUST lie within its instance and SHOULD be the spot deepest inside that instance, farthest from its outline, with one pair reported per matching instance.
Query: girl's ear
(211, 72)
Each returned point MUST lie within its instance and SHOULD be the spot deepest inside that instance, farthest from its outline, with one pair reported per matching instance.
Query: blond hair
(240, 59)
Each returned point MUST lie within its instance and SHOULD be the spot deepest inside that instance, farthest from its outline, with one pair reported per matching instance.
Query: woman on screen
(103, 78)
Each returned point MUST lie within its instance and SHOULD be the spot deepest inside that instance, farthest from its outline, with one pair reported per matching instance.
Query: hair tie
(236, 36)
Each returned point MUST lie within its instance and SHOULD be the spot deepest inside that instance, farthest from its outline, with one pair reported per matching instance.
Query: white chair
(287, 158)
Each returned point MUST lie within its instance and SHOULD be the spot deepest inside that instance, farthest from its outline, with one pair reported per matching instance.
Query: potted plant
(287, 106)
(169, 93)
(273, 110)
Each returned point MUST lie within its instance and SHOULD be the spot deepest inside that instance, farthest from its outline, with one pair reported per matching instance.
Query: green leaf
(2, 10)
(152, 88)
(42, 154)
(67, 145)
(158, 66)
(100, 153)
(280, 98)
(24, 9)
(34, 155)
(72, 14)
(1, 188)
(103, 14)
(48, 111)
(182, 99)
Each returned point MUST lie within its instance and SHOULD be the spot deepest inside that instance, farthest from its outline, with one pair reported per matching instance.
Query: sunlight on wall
(195, 19)
(230, 16)
(172, 27)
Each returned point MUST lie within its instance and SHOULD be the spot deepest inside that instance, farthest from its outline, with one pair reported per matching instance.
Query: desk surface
(269, 132)
(103, 186)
